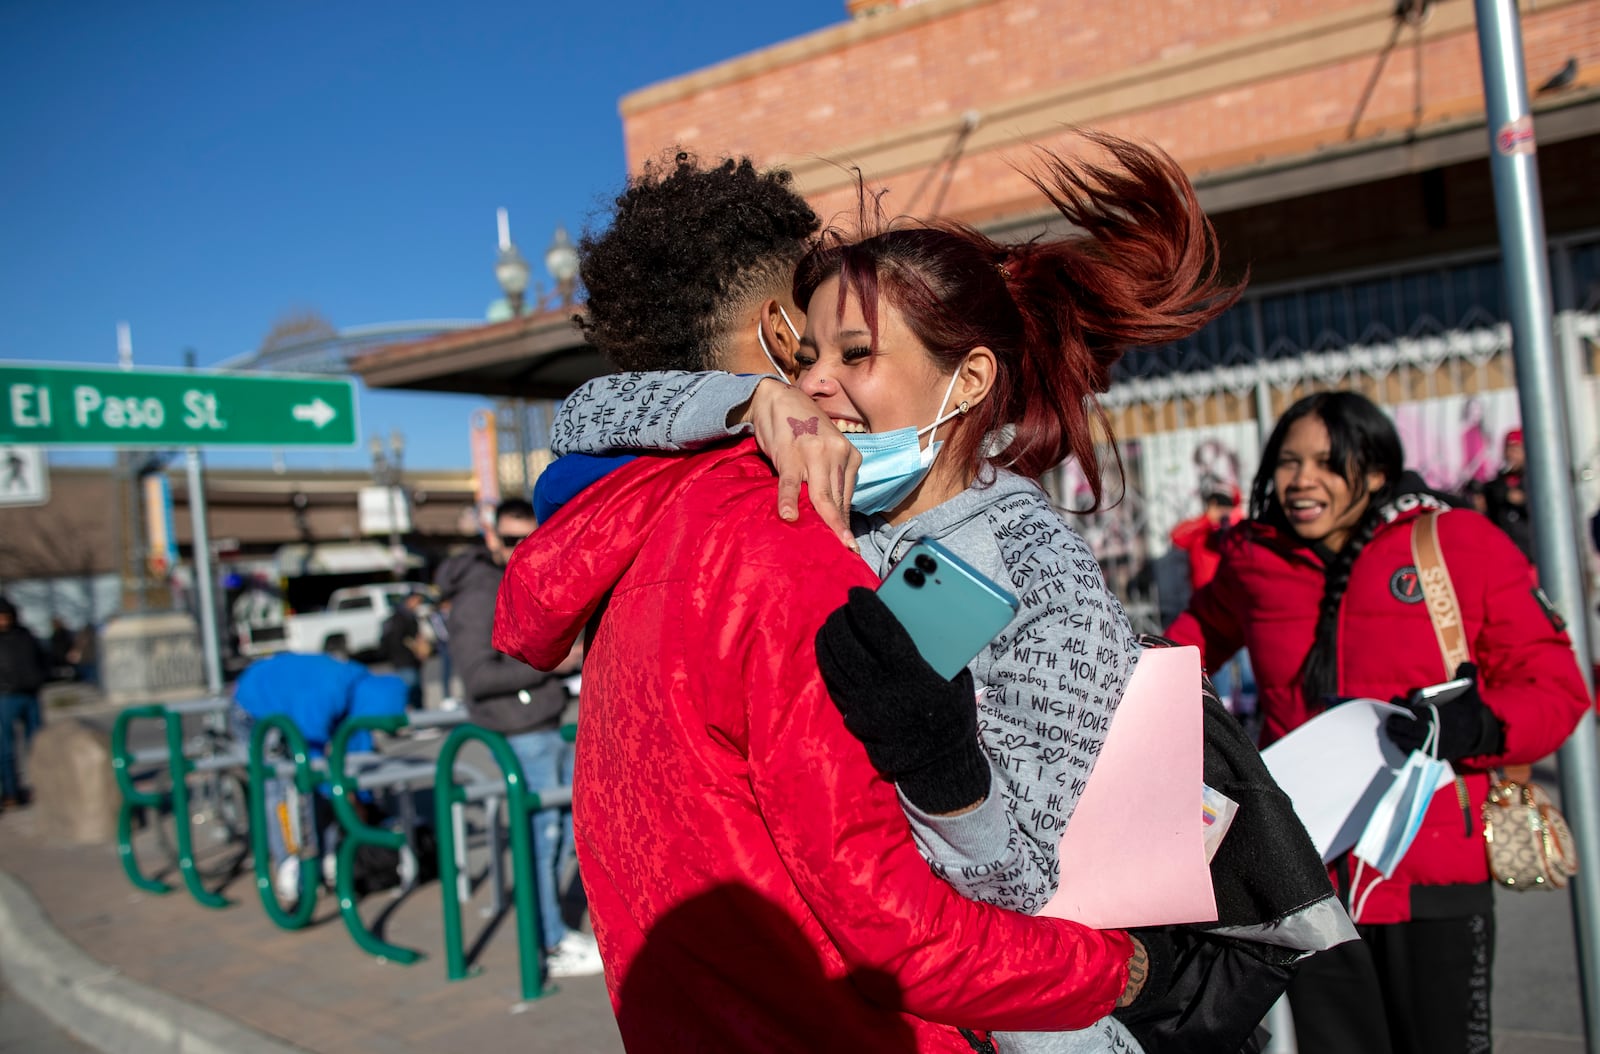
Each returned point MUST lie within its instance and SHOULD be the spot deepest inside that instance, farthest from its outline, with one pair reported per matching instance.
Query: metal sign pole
(1515, 169)
(205, 597)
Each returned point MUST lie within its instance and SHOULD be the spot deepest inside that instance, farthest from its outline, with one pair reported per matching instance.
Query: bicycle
(219, 804)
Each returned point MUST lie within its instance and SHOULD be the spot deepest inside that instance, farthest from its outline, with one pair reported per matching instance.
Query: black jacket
(1508, 515)
(398, 628)
(470, 582)
(22, 668)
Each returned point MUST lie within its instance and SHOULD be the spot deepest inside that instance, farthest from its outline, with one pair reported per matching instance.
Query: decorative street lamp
(561, 260)
(510, 269)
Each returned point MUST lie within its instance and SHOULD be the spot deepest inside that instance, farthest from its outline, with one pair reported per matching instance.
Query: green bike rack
(305, 783)
(132, 797)
(357, 834)
(178, 797)
(521, 804)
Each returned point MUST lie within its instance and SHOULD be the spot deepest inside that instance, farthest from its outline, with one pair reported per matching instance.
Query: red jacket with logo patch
(752, 881)
(1266, 596)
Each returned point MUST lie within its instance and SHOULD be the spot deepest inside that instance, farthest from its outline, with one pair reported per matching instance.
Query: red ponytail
(1058, 314)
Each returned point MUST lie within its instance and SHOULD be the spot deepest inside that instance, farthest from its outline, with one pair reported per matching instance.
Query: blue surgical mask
(1397, 817)
(761, 338)
(893, 464)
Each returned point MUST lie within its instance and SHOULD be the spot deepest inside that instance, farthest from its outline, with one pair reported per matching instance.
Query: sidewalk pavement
(132, 972)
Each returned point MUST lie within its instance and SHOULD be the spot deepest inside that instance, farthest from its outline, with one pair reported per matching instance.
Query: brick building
(1310, 106)
(1339, 146)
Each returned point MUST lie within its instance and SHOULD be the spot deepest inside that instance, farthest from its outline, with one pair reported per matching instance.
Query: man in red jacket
(1201, 536)
(752, 881)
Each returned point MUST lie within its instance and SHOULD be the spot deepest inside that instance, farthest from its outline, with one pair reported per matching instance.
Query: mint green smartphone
(950, 609)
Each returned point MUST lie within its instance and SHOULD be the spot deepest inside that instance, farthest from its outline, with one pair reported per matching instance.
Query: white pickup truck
(354, 618)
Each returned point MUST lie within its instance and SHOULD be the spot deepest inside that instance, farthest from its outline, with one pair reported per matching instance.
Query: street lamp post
(387, 466)
(561, 260)
(510, 269)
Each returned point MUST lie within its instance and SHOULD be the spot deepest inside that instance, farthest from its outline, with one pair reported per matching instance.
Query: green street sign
(76, 406)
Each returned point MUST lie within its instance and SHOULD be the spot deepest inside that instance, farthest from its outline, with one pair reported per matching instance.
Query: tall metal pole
(205, 594)
(1515, 169)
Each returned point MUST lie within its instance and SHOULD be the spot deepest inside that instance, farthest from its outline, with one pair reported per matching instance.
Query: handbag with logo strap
(1529, 843)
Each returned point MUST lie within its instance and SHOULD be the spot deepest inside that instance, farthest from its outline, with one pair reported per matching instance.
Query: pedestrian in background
(63, 650)
(1322, 586)
(405, 646)
(1505, 497)
(317, 693)
(22, 672)
(439, 635)
(525, 705)
(1200, 538)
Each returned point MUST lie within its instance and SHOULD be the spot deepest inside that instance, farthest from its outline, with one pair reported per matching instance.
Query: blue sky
(199, 170)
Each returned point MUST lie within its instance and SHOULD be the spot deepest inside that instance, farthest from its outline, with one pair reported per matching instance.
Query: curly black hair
(688, 248)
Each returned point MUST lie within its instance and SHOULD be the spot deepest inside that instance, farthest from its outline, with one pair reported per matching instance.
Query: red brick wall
(846, 88)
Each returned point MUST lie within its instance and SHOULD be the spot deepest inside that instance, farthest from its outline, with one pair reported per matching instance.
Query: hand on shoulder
(805, 447)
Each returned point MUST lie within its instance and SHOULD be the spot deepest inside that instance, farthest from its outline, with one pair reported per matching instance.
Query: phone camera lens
(927, 564)
(914, 578)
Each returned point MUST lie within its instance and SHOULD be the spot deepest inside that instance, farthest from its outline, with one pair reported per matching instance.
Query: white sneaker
(286, 883)
(576, 956)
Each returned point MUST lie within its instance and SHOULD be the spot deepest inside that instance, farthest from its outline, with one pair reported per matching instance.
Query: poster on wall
(1454, 440)
(1167, 478)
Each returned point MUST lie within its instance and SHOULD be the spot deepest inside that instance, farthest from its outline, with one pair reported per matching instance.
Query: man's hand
(1138, 973)
(805, 447)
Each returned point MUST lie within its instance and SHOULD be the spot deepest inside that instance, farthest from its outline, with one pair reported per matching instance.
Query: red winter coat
(1202, 540)
(752, 881)
(1266, 596)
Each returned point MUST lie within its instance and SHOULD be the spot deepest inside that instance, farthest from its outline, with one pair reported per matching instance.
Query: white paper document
(1335, 768)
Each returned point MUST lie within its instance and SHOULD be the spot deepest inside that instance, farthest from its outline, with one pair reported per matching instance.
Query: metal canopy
(539, 356)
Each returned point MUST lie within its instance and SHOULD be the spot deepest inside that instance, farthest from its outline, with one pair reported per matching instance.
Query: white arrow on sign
(316, 411)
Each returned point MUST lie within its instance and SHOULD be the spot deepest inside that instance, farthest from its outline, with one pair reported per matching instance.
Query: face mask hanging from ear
(1397, 817)
(893, 464)
(761, 338)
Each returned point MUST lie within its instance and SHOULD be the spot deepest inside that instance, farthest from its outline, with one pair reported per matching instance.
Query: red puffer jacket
(1266, 596)
(752, 881)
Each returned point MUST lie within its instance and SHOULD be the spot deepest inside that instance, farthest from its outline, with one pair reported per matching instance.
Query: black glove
(1205, 994)
(1467, 727)
(920, 730)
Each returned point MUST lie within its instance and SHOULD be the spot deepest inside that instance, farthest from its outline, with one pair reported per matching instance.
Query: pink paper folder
(1134, 852)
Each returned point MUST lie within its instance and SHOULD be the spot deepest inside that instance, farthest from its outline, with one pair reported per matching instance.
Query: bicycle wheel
(219, 826)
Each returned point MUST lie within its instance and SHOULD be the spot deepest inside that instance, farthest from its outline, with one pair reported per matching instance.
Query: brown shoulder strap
(1439, 593)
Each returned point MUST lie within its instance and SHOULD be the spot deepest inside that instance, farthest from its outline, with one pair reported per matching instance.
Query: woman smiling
(1322, 584)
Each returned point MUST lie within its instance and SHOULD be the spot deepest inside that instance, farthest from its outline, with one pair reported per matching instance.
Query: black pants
(1419, 987)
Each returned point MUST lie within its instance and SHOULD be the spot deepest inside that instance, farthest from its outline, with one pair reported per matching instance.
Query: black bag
(377, 867)
(1215, 993)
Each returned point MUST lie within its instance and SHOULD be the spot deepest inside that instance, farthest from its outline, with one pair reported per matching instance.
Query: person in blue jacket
(318, 693)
